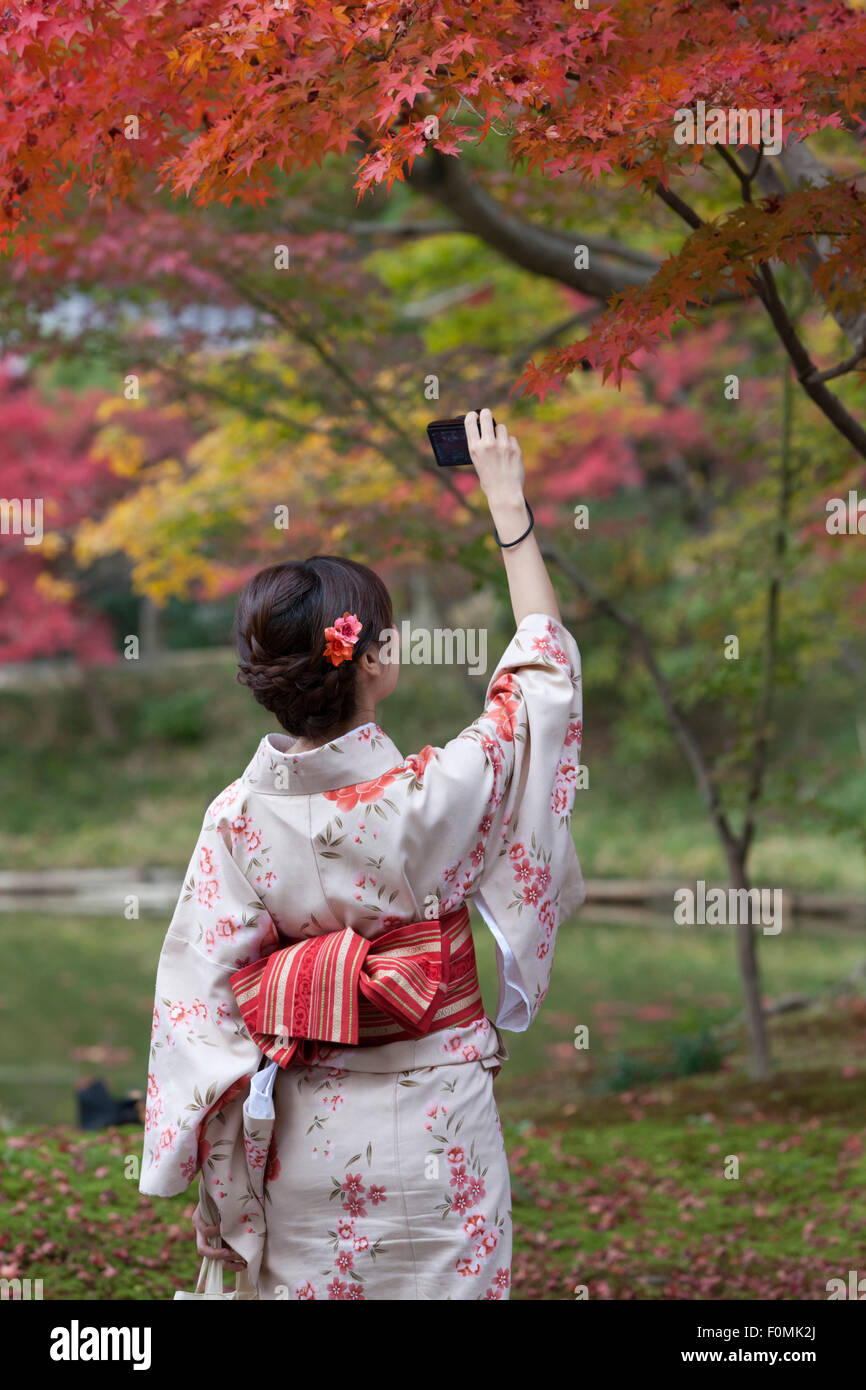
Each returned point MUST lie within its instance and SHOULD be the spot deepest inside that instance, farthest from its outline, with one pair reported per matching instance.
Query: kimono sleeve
(492, 812)
(201, 1054)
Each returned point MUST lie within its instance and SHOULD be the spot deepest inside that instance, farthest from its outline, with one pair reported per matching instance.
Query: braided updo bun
(280, 626)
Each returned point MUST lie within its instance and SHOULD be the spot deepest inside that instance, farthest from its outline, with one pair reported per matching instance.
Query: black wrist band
(506, 545)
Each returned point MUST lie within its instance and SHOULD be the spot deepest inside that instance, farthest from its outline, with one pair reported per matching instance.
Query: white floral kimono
(377, 1172)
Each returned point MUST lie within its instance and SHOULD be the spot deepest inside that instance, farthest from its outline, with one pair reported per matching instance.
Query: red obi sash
(344, 990)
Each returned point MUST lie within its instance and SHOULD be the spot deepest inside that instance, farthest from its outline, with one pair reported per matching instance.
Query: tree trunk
(149, 630)
(747, 957)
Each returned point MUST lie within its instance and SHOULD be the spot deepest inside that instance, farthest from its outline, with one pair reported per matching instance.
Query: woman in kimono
(321, 1057)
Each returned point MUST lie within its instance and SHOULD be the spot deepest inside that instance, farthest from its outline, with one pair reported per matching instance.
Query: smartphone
(448, 438)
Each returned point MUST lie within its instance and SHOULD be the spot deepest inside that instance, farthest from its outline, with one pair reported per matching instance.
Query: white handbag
(210, 1276)
(210, 1283)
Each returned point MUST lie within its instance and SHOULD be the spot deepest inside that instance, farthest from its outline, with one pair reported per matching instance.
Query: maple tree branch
(597, 245)
(606, 246)
(758, 165)
(538, 249)
(745, 179)
(841, 368)
(830, 405)
(679, 206)
(808, 375)
(803, 169)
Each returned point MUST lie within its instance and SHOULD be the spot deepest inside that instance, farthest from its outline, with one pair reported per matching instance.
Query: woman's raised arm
(499, 465)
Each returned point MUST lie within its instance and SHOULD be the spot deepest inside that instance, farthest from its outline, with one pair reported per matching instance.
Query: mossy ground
(621, 1191)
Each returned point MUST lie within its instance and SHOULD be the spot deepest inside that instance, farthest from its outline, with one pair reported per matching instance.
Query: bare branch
(679, 206)
(746, 179)
(841, 369)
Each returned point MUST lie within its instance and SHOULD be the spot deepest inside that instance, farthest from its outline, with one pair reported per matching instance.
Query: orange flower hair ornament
(341, 639)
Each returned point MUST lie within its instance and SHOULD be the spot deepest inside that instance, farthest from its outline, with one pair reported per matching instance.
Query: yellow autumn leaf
(53, 589)
(52, 545)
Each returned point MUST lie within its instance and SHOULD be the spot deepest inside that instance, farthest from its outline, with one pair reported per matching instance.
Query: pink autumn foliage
(45, 459)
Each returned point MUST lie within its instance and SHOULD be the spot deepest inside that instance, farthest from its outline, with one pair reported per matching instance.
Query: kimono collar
(361, 755)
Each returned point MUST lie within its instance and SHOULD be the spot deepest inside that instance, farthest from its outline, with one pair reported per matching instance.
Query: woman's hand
(499, 464)
(204, 1233)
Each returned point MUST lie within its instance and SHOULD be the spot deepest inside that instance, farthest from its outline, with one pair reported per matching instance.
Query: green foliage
(424, 266)
(694, 1053)
(177, 718)
(685, 1054)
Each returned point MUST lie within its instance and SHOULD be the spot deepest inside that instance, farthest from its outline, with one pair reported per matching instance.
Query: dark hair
(280, 626)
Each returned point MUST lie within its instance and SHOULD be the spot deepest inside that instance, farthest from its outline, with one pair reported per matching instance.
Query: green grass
(641, 1207)
(621, 1191)
(623, 1197)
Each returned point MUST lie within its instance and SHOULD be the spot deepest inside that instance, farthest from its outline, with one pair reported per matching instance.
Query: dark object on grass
(99, 1109)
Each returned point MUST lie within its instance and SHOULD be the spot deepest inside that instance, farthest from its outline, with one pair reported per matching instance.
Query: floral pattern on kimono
(413, 1161)
(197, 1035)
(353, 834)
